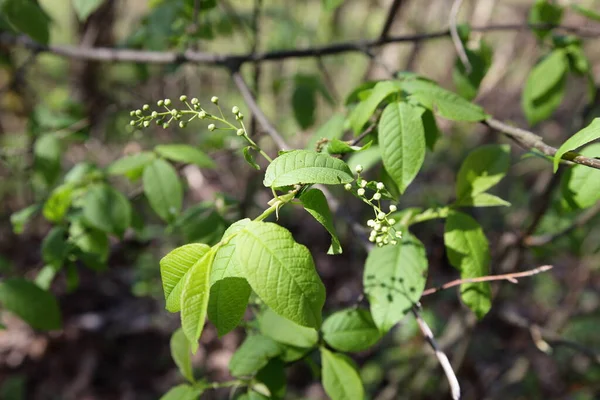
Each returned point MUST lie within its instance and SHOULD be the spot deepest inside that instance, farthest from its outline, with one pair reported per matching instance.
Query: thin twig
(530, 140)
(231, 60)
(441, 356)
(504, 277)
(458, 44)
(364, 134)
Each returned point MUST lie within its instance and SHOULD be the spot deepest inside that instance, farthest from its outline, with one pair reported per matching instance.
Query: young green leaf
(107, 209)
(163, 189)
(45, 276)
(253, 355)
(332, 129)
(47, 152)
(337, 146)
(331, 5)
(194, 298)
(227, 303)
(584, 136)
(586, 12)
(131, 166)
(173, 268)
(432, 132)
(394, 279)
(59, 202)
(20, 218)
(181, 354)
(544, 12)
(483, 168)
(482, 200)
(282, 272)
(28, 17)
(360, 115)
(580, 184)
(304, 166)
(284, 331)
(55, 247)
(468, 251)
(32, 304)
(340, 378)
(250, 158)
(350, 330)
(273, 376)
(315, 203)
(446, 104)
(91, 242)
(182, 392)
(84, 8)
(185, 153)
(304, 103)
(467, 83)
(402, 141)
(538, 110)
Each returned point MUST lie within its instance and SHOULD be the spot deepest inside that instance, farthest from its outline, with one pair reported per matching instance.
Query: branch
(233, 61)
(531, 141)
(458, 44)
(441, 356)
(505, 277)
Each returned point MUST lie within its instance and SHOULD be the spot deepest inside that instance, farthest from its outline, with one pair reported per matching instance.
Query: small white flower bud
(146, 107)
(377, 196)
(202, 114)
(371, 238)
(174, 112)
(377, 227)
(154, 114)
(212, 127)
(381, 215)
(398, 234)
(146, 124)
(380, 185)
(361, 192)
(182, 98)
(195, 101)
(182, 124)
(386, 240)
(138, 113)
(160, 103)
(363, 183)
(132, 113)
(235, 109)
(384, 229)
(379, 239)
(358, 169)
(393, 208)
(132, 123)
(214, 99)
(371, 223)
(394, 242)
(392, 221)
(166, 125)
(167, 102)
(239, 116)
(348, 186)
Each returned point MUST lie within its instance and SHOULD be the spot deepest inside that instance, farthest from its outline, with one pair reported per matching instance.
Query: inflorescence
(382, 227)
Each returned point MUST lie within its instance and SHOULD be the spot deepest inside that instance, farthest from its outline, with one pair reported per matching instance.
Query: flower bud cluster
(382, 227)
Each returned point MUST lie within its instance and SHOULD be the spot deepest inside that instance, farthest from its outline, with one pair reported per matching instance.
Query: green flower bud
(392, 221)
(146, 107)
(160, 103)
(239, 117)
(166, 125)
(377, 196)
(202, 115)
(240, 132)
(132, 113)
(183, 98)
(381, 215)
(182, 124)
(138, 113)
(235, 109)
(214, 99)
(174, 112)
(361, 192)
(132, 123)
(195, 101)
(167, 102)
(212, 127)
(146, 124)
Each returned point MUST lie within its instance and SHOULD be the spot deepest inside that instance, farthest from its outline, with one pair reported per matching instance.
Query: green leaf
(584, 136)
(445, 103)
(483, 168)
(20, 218)
(107, 209)
(181, 354)
(394, 279)
(332, 129)
(304, 104)
(92, 242)
(305, 166)
(55, 247)
(186, 154)
(336, 146)
(586, 12)
(542, 108)
(580, 185)
(402, 140)
(28, 17)
(253, 355)
(274, 378)
(350, 330)
(315, 203)
(84, 8)
(482, 200)
(284, 331)
(182, 392)
(163, 189)
(360, 115)
(578, 61)
(174, 267)
(45, 276)
(59, 202)
(250, 158)
(331, 5)
(468, 251)
(432, 132)
(225, 264)
(467, 83)
(227, 303)
(282, 272)
(47, 152)
(544, 12)
(194, 298)
(131, 166)
(33, 305)
(340, 378)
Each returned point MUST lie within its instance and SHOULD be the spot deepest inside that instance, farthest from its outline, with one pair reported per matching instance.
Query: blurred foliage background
(540, 339)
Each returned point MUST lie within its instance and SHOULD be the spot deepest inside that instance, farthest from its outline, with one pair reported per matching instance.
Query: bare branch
(505, 277)
(458, 44)
(233, 61)
(389, 21)
(441, 356)
(530, 140)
